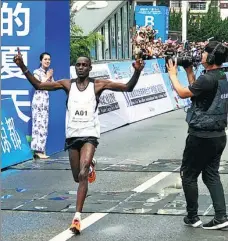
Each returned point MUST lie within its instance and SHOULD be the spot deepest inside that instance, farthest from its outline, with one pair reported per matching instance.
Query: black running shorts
(78, 142)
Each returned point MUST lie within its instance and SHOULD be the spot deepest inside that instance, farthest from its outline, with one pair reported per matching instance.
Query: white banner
(149, 98)
(112, 106)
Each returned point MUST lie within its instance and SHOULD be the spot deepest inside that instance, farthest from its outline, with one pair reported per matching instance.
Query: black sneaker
(216, 224)
(194, 222)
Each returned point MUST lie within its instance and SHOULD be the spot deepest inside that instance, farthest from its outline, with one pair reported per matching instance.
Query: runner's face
(83, 67)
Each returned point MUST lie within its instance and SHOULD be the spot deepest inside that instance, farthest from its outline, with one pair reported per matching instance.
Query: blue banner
(170, 90)
(176, 100)
(35, 27)
(155, 16)
(23, 27)
(14, 145)
(161, 64)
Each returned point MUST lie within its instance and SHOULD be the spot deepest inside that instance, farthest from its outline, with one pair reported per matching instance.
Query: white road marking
(67, 234)
(152, 181)
(227, 132)
(208, 210)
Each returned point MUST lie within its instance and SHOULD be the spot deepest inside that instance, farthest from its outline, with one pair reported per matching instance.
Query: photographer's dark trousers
(203, 155)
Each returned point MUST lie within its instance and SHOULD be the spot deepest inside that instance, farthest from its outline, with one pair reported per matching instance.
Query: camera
(186, 60)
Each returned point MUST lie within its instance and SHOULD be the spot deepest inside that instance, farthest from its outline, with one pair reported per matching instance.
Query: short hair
(89, 59)
(221, 52)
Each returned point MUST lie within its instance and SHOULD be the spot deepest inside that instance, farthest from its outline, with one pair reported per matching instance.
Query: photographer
(207, 120)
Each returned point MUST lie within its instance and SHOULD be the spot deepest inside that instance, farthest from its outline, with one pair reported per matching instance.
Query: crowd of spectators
(148, 46)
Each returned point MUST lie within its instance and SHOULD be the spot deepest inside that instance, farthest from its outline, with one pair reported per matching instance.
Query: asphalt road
(160, 137)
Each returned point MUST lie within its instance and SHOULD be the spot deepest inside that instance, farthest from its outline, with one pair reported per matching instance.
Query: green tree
(80, 45)
(222, 33)
(174, 20)
(210, 23)
(163, 3)
(194, 27)
(201, 27)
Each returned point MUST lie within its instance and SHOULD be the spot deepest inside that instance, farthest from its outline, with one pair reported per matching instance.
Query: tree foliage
(80, 45)
(175, 20)
(202, 26)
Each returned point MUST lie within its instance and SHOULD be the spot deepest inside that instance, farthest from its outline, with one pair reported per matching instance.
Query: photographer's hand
(181, 91)
(172, 68)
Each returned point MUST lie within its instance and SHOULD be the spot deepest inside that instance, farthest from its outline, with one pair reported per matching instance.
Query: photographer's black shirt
(204, 90)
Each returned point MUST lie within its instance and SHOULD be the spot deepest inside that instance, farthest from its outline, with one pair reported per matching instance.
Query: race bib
(82, 113)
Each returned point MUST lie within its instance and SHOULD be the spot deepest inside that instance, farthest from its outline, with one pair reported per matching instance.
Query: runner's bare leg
(86, 157)
(74, 157)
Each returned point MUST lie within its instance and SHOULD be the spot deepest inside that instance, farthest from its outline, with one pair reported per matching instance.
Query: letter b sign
(149, 20)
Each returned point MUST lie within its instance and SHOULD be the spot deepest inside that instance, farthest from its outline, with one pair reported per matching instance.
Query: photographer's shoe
(194, 222)
(215, 224)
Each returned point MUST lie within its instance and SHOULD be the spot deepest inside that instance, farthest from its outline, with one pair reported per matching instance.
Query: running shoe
(76, 226)
(92, 172)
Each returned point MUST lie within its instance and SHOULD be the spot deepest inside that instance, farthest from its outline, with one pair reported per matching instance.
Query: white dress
(40, 114)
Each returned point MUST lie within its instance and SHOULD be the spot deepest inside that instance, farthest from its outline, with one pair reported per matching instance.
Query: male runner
(82, 124)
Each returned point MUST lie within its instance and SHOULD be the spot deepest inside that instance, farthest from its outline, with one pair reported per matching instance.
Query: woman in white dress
(40, 108)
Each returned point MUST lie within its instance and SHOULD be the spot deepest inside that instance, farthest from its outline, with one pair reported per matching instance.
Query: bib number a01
(82, 113)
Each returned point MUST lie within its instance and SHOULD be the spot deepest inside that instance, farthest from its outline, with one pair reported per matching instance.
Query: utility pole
(184, 20)
(132, 4)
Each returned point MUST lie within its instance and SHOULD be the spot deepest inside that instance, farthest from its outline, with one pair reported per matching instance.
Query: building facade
(201, 6)
(116, 33)
(112, 20)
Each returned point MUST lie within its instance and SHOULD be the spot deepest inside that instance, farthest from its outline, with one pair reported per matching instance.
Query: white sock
(77, 216)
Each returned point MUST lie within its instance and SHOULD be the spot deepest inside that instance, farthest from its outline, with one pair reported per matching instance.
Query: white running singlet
(82, 112)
